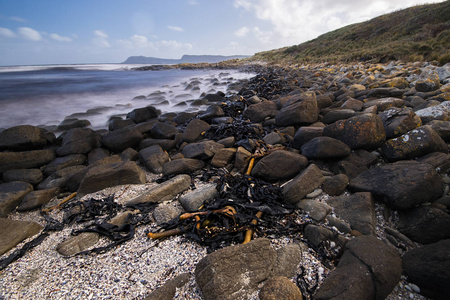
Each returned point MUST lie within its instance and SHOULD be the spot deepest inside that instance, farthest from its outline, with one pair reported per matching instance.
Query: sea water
(46, 95)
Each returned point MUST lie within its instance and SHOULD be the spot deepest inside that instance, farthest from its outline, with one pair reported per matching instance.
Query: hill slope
(416, 33)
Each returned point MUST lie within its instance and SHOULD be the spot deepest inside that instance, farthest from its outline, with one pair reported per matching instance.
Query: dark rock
(325, 147)
(357, 162)
(212, 112)
(105, 176)
(154, 157)
(79, 140)
(279, 288)
(338, 114)
(163, 131)
(428, 82)
(223, 120)
(145, 127)
(143, 114)
(60, 178)
(23, 137)
(429, 268)
(364, 131)
(279, 165)
(97, 154)
(442, 128)
(64, 162)
(194, 130)
(228, 142)
(324, 100)
(25, 159)
(340, 224)
(12, 232)
(202, 150)
(11, 194)
(425, 224)
(182, 166)
(315, 209)
(168, 290)
(318, 235)
(358, 210)
(129, 154)
(223, 157)
(398, 121)
(214, 97)
(241, 159)
(36, 199)
(68, 124)
(121, 139)
(305, 134)
(299, 109)
(32, 176)
(384, 103)
(439, 160)
(415, 143)
(183, 117)
(288, 258)
(115, 124)
(235, 272)
(163, 143)
(304, 183)
(163, 213)
(385, 92)
(335, 185)
(274, 138)
(259, 112)
(192, 201)
(401, 185)
(353, 104)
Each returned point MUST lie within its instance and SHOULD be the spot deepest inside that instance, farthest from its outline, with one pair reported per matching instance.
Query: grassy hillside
(416, 33)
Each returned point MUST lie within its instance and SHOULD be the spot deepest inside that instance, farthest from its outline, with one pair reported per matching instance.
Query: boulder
(437, 112)
(398, 121)
(165, 212)
(305, 134)
(192, 201)
(60, 178)
(279, 165)
(12, 232)
(182, 166)
(439, 160)
(241, 159)
(353, 104)
(79, 140)
(97, 154)
(202, 150)
(259, 112)
(429, 268)
(115, 124)
(318, 235)
(213, 111)
(304, 183)
(274, 138)
(384, 103)
(315, 209)
(163, 131)
(364, 131)
(105, 176)
(64, 162)
(36, 199)
(78, 243)
(23, 137)
(299, 109)
(401, 185)
(358, 161)
(168, 290)
(32, 176)
(223, 157)
(25, 159)
(11, 194)
(143, 114)
(415, 143)
(154, 157)
(358, 210)
(129, 154)
(325, 147)
(442, 128)
(428, 82)
(164, 143)
(121, 139)
(335, 185)
(425, 224)
(194, 130)
(337, 114)
(279, 288)
(68, 124)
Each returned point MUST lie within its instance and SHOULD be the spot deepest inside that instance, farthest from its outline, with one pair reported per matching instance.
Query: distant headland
(184, 59)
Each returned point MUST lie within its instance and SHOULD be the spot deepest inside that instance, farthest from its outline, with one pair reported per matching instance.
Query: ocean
(46, 95)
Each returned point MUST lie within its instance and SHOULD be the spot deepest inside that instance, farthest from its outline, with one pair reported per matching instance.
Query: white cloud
(18, 19)
(5, 32)
(29, 34)
(175, 28)
(174, 45)
(101, 39)
(60, 38)
(192, 2)
(242, 32)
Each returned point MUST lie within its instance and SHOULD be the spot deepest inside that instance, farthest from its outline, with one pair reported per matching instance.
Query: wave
(82, 67)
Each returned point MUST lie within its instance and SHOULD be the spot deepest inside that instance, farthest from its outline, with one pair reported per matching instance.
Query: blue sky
(109, 31)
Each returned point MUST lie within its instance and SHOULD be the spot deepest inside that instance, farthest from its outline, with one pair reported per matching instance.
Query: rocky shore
(338, 172)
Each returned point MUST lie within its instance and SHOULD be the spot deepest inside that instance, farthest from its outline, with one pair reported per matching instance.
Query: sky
(34, 32)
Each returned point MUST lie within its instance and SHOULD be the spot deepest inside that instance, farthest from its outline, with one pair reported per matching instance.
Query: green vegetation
(413, 34)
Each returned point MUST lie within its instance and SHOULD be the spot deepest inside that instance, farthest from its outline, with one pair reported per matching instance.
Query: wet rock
(24, 137)
(115, 124)
(401, 185)
(425, 224)
(32, 176)
(121, 139)
(415, 143)
(304, 183)
(163, 131)
(164, 143)
(325, 148)
(235, 272)
(212, 112)
(165, 212)
(68, 124)
(384, 103)
(12, 232)
(192, 201)
(25, 160)
(441, 112)
(279, 288)
(358, 210)
(194, 130)
(143, 114)
(154, 158)
(64, 162)
(164, 191)
(11, 194)
(60, 178)
(36, 199)
(305, 134)
(223, 157)
(335, 185)
(279, 165)
(338, 114)
(259, 112)
(182, 166)
(97, 154)
(78, 243)
(105, 176)
(364, 131)
(168, 290)
(79, 141)
(398, 121)
(299, 109)
(241, 159)
(429, 268)
(183, 117)
(202, 150)
(315, 209)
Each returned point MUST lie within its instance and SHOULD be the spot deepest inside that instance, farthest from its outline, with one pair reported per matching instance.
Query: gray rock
(358, 210)
(165, 212)
(354, 164)
(79, 140)
(305, 134)
(288, 259)
(442, 128)
(223, 157)
(11, 194)
(399, 121)
(115, 124)
(428, 82)
(64, 162)
(315, 209)
(97, 154)
(163, 131)
(279, 165)
(32, 176)
(164, 191)
(194, 130)
(154, 157)
(12, 232)
(68, 124)
(143, 114)
(212, 112)
(168, 290)
(163, 143)
(121, 139)
(274, 138)
(325, 147)
(260, 111)
(228, 142)
(338, 114)
(182, 166)
(335, 185)
(304, 183)
(278, 288)
(60, 178)
(36, 199)
(299, 109)
(340, 224)
(78, 243)
(25, 159)
(235, 272)
(318, 235)
(193, 200)
(129, 154)
(384, 103)
(441, 111)
(23, 137)
(202, 150)
(401, 185)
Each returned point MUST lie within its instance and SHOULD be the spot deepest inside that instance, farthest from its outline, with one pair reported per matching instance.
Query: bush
(444, 59)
